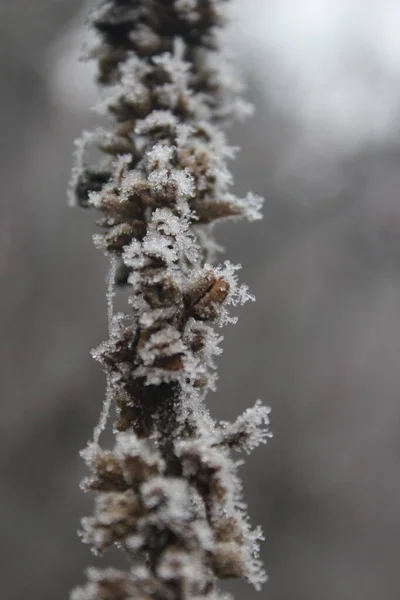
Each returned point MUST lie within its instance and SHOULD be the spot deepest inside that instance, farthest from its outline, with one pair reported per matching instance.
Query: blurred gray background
(321, 346)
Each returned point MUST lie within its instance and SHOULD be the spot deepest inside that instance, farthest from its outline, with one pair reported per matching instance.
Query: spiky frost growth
(168, 493)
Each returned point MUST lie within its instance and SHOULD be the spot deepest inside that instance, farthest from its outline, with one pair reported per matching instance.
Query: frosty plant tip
(167, 494)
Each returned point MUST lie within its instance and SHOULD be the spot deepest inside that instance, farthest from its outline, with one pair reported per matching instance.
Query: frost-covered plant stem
(167, 493)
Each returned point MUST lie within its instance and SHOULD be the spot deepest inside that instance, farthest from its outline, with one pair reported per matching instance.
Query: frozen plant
(168, 493)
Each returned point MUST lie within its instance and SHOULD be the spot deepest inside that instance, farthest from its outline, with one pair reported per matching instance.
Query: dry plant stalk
(168, 493)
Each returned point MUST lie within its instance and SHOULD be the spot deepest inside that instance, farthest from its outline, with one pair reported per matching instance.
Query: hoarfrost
(249, 430)
(168, 492)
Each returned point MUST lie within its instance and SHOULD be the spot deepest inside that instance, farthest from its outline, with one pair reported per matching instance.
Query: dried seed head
(168, 492)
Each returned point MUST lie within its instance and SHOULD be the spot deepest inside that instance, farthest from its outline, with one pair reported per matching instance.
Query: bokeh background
(321, 346)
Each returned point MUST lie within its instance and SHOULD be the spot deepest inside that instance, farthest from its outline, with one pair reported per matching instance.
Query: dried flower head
(168, 493)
